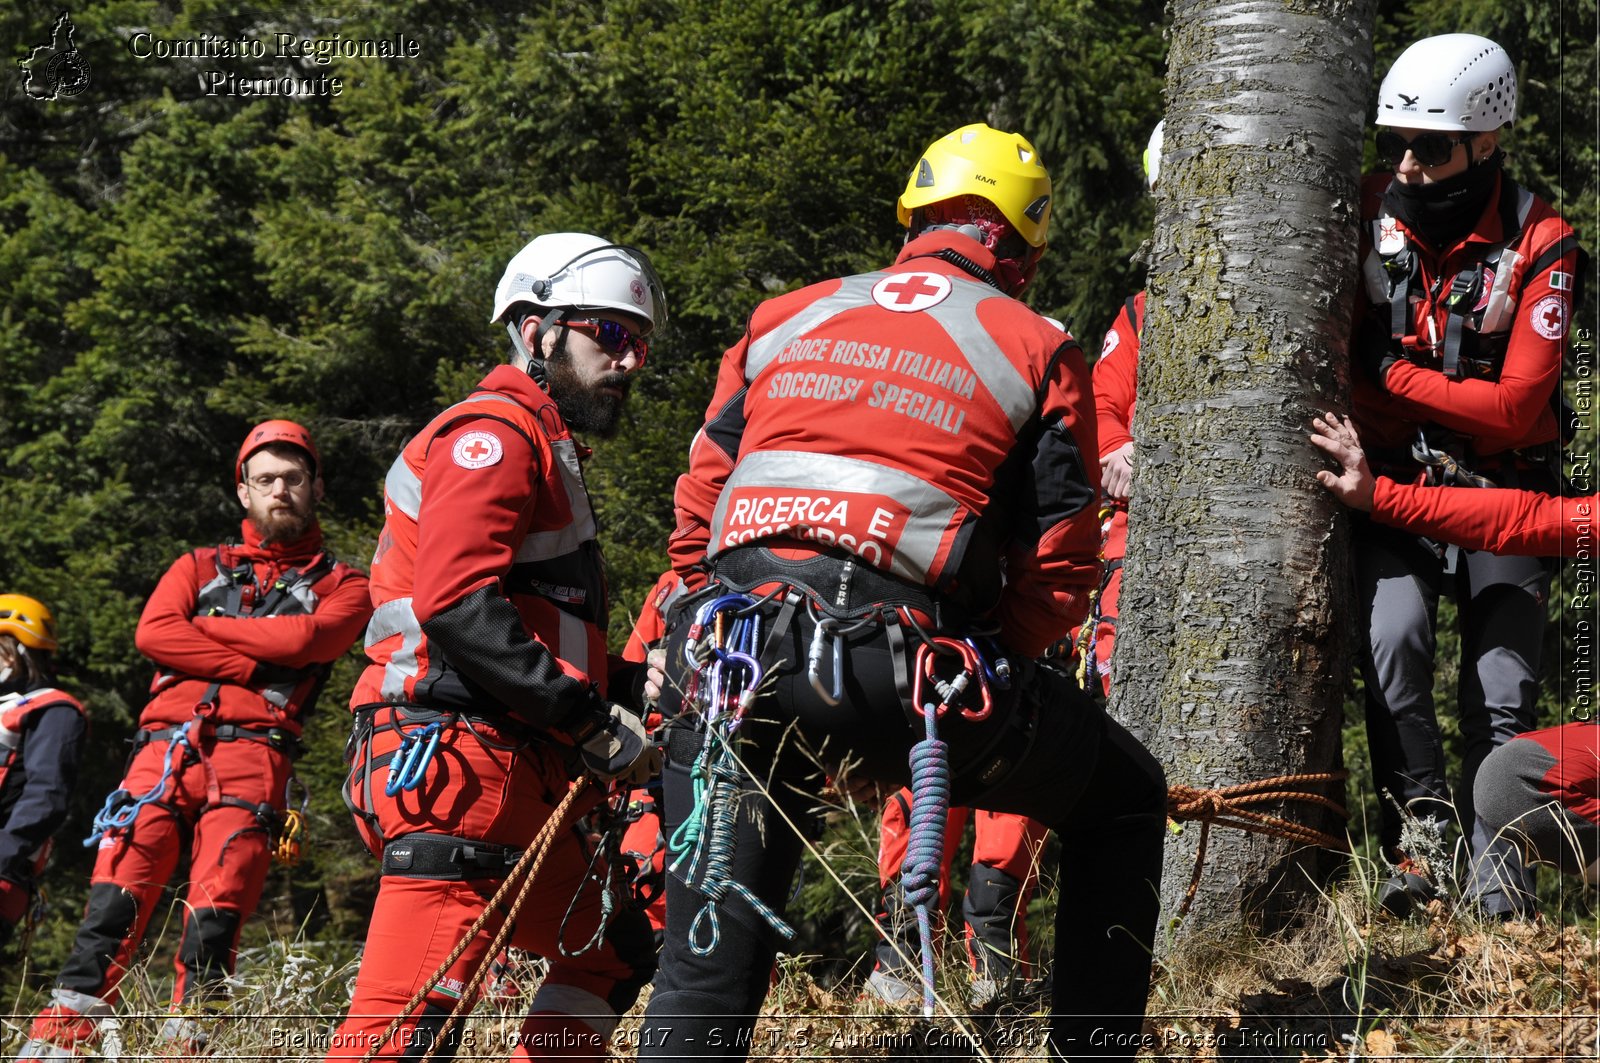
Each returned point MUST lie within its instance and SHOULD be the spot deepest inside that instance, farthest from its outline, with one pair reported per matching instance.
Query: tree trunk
(1231, 659)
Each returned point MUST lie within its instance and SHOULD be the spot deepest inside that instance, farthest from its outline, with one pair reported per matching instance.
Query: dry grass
(1355, 985)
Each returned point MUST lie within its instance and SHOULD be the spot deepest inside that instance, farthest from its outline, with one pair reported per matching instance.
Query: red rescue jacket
(919, 418)
(1499, 520)
(490, 495)
(1487, 373)
(14, 719)
(245, 634)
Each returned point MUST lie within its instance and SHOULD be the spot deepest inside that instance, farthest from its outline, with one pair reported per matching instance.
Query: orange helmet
(29, 620)
(268, 432)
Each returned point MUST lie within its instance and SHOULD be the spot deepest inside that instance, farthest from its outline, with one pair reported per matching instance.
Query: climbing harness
(930, 785)
(723, 686)
(1443, 468)
(122, 808)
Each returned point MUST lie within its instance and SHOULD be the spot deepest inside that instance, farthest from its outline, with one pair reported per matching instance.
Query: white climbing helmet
(1454, 81)
(1152, 155)
(583, 272)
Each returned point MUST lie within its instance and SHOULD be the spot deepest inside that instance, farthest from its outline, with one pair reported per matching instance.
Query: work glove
(620, 750)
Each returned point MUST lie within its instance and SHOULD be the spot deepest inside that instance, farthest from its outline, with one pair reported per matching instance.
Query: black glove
(1376, 353)
(619, 750)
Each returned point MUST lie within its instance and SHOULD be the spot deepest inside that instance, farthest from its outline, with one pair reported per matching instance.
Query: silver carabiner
(826, 627)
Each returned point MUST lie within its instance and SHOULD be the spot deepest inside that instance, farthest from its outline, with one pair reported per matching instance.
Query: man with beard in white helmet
(490, 684)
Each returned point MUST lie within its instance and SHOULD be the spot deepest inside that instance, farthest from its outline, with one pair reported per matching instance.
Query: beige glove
(621, 751)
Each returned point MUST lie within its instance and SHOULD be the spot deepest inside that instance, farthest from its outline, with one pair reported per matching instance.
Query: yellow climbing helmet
(29, 620)
(977, 160)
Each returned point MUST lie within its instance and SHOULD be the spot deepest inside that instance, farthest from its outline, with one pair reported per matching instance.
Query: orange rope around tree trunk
(1226, 806)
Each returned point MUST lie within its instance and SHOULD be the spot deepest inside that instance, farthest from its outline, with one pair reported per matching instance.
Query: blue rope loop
(726, 675)
(411, 760)
(930, 811)
(119, 811)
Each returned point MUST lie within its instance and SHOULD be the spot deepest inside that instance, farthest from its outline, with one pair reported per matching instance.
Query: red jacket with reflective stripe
(1499, 520)
(919, 418)
(1530, 314)
(265, 668)
(488, 495)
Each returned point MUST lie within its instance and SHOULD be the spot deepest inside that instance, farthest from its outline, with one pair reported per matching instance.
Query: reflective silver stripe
(931, 511)
(388, 620)
(574, 638)
(958, 316)
(853, 292)
(403, 488)
(543, 545)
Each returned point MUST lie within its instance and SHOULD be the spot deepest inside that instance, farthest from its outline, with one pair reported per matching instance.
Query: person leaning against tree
(1469, 281)
(891, 463)
(489, 681)
(42, 730)
(242, 637)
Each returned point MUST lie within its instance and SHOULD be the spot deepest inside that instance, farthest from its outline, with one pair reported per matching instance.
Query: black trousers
(1074, 769)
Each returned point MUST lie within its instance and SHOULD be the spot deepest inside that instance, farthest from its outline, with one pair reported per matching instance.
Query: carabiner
(708, 615)
(825, 627)
(950, 692)
(999, 673)
(411, 760)
(747, 689)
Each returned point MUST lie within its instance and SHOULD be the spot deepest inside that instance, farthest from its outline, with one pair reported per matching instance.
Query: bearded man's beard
(585, 407)
(282, 527)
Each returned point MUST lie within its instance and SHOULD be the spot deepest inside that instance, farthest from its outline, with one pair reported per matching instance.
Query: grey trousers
(1514, 799)
(1501, 604)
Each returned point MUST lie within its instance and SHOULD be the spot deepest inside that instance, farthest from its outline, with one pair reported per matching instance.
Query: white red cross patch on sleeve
(906, 293)
(1549, 317)
(477, 449)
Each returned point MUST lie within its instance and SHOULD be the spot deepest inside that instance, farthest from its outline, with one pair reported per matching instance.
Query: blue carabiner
(997, 673)
(411, 760)
(706, 615)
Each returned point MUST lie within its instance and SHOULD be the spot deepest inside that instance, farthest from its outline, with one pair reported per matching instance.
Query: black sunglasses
(614, 338)
(1430, 149)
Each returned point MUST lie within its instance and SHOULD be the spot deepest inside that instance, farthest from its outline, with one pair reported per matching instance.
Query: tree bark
(1231, 659)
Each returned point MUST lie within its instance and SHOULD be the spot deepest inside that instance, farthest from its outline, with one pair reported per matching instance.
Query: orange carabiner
(950, 693)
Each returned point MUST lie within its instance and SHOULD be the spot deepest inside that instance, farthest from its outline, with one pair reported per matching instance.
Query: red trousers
(482, 784)
(222, 804)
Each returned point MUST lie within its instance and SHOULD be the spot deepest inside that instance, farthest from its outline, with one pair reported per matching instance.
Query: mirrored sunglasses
(614, 338)
(1430, 149)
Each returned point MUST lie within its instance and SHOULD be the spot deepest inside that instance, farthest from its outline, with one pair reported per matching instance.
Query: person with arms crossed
(242, 637)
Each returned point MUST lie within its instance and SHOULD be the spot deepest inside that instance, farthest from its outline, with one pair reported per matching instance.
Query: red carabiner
(972, 669)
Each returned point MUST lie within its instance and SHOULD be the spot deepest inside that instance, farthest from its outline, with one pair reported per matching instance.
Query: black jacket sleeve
(483, 638)
(51, 743)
